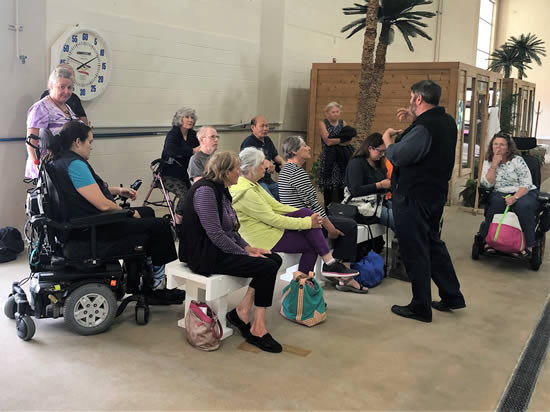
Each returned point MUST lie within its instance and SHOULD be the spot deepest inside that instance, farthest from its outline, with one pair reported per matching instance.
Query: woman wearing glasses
(366, 174)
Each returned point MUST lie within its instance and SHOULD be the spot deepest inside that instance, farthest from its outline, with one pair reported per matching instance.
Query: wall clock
(88, 53)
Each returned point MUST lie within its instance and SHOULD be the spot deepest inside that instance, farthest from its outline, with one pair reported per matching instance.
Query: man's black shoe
(266, 343)
(443, 306)
(406, 312)
(233, 318)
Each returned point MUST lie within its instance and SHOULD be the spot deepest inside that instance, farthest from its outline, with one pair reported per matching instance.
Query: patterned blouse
(510, 176)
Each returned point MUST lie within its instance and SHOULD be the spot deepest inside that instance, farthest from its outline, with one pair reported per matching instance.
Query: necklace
(63, 108)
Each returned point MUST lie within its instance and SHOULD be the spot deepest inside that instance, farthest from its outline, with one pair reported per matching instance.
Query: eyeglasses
(381, 151)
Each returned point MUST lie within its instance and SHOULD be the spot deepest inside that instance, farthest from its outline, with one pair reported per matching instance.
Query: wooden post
(537, 122)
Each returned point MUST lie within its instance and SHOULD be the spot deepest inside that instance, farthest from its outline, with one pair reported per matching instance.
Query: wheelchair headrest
(525, 143)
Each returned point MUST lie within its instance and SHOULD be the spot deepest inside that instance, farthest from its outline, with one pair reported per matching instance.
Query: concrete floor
(362, 358)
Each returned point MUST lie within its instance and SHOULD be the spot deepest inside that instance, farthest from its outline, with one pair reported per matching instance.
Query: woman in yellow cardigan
(271, 225)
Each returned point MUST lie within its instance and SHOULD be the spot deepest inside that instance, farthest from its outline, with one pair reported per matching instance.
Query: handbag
(343, 210)
(202, 327)
(302, 300)
(505, 234)
(367, 206)
(371, 270)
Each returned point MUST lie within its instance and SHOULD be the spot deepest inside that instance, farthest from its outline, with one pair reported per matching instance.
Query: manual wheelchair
(542, 217)
(75, 276)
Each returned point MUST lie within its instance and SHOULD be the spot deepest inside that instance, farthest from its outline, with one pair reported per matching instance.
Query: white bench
(213, 289)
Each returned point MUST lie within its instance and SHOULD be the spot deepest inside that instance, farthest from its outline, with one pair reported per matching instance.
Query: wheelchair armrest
(105, 218)
(543, 197)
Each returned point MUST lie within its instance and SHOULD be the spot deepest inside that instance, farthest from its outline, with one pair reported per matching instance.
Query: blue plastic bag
(371, 270)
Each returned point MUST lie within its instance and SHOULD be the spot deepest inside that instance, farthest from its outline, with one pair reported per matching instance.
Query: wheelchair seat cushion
(79, 248)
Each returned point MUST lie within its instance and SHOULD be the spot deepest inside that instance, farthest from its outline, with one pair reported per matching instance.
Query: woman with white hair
(180, 144)
(50, 113)
(268, 224)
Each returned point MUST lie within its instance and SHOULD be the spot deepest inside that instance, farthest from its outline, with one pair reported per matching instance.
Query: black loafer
(443, 306)
(233, 318)
(406, 312)
(266, 343)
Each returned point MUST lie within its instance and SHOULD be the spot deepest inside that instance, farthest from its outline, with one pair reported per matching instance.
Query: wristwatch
(515, 197)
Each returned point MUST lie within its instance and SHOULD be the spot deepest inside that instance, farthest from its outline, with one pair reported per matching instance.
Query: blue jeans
(272, 189)
(386, 217)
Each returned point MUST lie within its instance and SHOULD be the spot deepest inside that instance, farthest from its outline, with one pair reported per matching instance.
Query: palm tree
(529, 48)
(391, 14)
(504, 59)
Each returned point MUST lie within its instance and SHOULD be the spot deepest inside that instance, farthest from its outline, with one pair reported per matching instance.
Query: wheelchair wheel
(10, 307)
(142, 314)
(538, 252)
(90, 309)
(25, 328)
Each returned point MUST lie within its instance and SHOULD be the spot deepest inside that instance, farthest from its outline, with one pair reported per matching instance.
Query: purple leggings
(310, 243)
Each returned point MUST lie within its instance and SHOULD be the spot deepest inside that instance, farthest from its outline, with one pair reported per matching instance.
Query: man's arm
(414, 146)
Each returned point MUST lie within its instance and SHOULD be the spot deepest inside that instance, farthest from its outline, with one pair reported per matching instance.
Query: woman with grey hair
(296, 190)
(51, 113)
(268, 224)
(180, 144)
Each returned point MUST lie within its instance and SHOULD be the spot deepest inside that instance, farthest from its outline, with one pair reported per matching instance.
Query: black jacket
(176, 147)
(361, 177)
(195, 246)
(73, 204)
(428, 179)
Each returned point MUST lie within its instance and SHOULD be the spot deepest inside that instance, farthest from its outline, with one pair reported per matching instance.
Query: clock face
(88, 54)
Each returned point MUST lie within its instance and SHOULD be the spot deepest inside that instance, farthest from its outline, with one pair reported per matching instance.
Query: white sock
(331, 261)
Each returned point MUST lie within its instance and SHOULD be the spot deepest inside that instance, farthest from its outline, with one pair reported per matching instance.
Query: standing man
(260, 140)
(208, 144)
(423, 158)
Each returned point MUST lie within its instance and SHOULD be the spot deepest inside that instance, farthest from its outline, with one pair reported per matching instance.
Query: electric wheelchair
(75, 276)
(542, 218)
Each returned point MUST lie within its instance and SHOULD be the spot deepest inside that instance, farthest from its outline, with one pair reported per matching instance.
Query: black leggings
(263, 272)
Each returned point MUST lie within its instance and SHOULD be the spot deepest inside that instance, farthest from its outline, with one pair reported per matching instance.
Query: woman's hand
(334, 234)
(316, 221)
(510, 200)
(384, 184)
(256, 251)
(136, 214)
(497, 159)
(127, 192)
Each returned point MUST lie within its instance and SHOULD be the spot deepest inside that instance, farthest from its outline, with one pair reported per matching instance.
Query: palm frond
(405, 34)
(353, 24)
(529, 47)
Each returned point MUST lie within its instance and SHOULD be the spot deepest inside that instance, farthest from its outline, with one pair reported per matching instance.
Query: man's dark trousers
(424, 253)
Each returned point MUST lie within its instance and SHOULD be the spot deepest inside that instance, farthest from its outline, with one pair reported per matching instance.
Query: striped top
(296, 189)
(222, 234)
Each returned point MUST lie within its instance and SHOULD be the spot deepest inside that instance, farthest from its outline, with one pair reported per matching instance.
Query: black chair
(75, 276)
(542, 218)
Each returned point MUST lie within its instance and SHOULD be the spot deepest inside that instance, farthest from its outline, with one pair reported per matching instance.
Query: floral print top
(510, 176)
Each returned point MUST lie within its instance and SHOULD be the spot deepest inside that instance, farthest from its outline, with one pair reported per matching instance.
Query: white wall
(516, 17)
(21, 86)
(229, 59)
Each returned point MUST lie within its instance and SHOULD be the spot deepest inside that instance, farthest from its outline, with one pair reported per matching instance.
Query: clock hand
(86, 64)
(75, 60)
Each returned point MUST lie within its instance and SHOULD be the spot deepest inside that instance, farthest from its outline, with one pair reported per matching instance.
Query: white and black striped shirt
(296, 189)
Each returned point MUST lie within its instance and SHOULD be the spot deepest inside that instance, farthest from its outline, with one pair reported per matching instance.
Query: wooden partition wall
(467, 94)
(524, 105)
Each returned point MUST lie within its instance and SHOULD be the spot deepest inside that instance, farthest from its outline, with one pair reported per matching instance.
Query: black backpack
(11, 244)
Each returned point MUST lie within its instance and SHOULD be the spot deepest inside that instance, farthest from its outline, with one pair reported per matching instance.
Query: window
(484, 33)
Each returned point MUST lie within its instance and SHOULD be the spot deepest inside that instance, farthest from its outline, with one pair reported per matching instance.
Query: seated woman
(296, 190)
(212, 244)
(84, 194)
(366, 174)
(277, 227)
(51, 112)
(507, 174)
(180, 144)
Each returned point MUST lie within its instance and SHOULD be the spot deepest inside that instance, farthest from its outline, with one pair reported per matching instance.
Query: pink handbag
(202, 327)
(505, 234)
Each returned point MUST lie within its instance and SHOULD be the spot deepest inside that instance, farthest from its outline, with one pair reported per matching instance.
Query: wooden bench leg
(219, 306)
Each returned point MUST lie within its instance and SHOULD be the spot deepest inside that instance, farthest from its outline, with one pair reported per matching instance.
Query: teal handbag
(303, 301)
